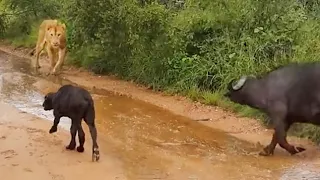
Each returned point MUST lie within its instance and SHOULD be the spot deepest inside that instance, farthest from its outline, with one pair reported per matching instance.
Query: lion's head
(56, 35)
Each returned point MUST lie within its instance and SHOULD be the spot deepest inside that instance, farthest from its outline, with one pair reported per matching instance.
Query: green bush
(203, 45)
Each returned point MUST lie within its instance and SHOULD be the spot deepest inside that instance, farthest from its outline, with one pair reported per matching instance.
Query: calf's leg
(73, 132)
(89, 119)
(95, 147)
(81, 136)
(54, 127)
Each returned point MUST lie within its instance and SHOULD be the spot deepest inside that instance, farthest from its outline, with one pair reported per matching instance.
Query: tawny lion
(53, 35)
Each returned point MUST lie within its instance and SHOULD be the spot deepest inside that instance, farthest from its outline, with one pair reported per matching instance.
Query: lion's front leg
(62, 54)
(51, 58)
(54, 60)
(38, 49)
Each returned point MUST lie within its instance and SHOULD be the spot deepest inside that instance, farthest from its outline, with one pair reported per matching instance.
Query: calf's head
(235, 90)
(47, 103)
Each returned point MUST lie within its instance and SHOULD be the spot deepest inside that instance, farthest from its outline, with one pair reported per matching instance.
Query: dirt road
(145, 136)
(28, 151)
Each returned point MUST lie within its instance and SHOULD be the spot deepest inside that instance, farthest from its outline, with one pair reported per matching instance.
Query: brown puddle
(152, 143)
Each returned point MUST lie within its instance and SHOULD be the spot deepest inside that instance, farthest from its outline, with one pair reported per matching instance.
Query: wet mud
(150, 142)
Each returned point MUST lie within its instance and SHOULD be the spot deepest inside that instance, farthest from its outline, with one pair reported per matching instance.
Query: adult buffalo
(288, 94)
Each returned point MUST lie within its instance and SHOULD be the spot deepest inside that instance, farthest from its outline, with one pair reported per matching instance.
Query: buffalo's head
(47, 103)
(235, 91)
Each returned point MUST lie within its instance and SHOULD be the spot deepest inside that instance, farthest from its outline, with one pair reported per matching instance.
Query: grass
(217, 99)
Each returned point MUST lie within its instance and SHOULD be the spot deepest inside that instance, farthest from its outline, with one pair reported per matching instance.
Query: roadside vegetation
(189, 47)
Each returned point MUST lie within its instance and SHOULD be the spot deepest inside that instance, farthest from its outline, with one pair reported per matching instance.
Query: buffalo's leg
(73, 132)
(81, 136)
(281, 126)
(277, 114)
(269, 149)
(281, 133)
(279, 136)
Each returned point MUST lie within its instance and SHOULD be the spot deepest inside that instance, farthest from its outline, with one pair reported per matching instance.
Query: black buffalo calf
(77, 104)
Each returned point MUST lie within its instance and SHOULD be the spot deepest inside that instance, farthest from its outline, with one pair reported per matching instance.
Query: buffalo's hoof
(53, 129)
(266, 152)
(80, 149)
(71, 146)
(95, 154)
(298, 150)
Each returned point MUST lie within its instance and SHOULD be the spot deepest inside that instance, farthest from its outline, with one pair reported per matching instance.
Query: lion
(53, 35)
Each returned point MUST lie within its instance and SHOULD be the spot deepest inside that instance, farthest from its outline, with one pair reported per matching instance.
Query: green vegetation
(193, 49)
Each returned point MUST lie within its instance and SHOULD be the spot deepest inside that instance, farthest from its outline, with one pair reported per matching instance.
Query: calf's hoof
(53, 129)
(95, 154)
(80, 149)
(266, 152)
(71, 146)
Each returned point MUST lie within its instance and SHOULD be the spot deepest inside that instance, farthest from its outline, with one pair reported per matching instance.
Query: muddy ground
(142, 134)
